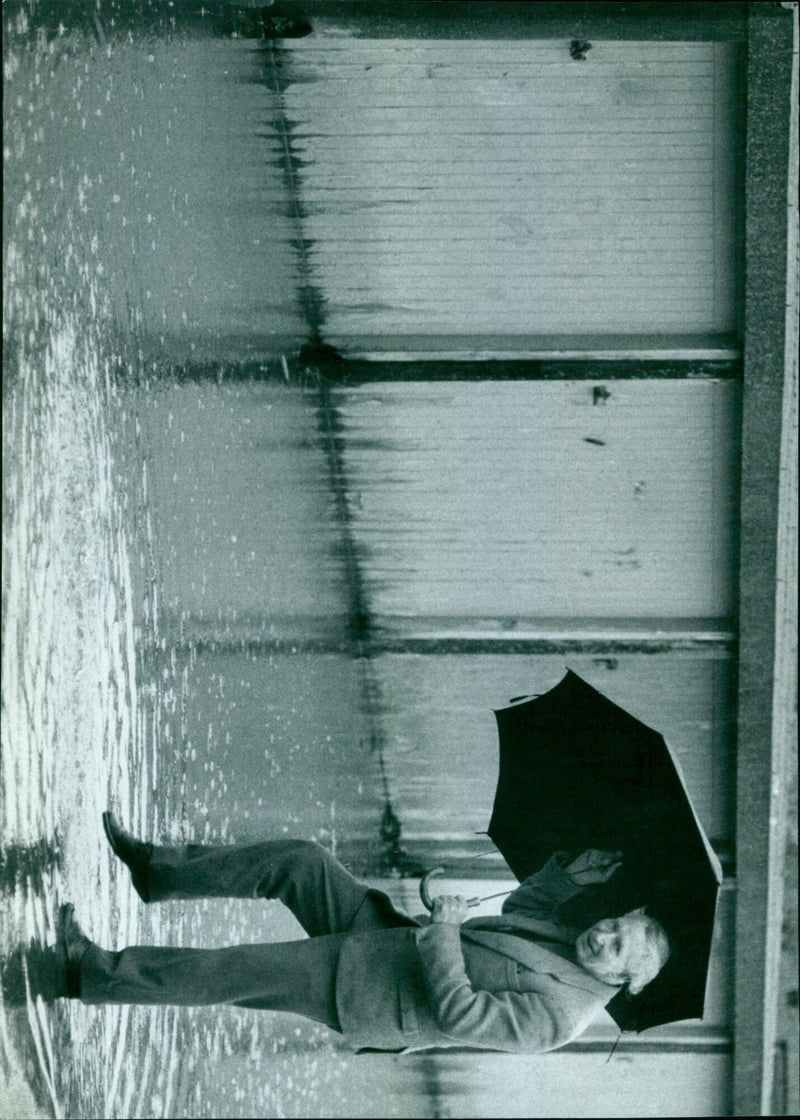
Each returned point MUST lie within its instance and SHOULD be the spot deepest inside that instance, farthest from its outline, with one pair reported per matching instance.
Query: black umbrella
(577, 772)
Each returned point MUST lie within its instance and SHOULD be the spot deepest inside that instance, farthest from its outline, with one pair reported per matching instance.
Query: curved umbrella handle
(425, 894)
(424, 891)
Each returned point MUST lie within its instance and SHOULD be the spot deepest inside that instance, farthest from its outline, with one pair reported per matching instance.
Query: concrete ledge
(759, 835)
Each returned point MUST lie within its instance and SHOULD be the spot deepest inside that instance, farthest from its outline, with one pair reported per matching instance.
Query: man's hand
(593, 866)
(449, 908)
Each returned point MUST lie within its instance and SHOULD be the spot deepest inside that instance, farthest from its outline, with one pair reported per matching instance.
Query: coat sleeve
(520, 1022)
(540, 895)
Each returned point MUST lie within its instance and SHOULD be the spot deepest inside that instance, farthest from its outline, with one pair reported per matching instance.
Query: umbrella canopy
(577, 772)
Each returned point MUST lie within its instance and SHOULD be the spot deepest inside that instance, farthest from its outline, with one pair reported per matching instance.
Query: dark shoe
(73, 943)
(135, 854)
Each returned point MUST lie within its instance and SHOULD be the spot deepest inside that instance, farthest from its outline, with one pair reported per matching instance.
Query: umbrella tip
(613, 1048)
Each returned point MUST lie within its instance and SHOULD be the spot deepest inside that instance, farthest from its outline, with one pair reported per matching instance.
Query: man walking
(518, 982)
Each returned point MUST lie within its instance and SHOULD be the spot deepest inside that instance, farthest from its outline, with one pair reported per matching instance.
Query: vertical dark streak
(393, 859)
(310, 299)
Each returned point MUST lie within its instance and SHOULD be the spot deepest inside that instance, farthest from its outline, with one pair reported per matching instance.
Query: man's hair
(650, 963)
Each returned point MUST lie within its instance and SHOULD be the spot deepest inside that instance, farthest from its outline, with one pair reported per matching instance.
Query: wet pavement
(126, 682)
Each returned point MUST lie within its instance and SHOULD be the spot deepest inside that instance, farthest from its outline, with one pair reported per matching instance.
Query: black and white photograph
(399, 562)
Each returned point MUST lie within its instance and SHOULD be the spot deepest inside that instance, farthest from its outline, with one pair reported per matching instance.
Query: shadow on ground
(20, 862)
(36, 968)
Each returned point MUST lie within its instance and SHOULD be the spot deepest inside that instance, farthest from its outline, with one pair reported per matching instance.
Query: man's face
(615, 947)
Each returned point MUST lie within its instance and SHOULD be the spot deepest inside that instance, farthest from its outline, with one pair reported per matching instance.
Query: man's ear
(633, 988)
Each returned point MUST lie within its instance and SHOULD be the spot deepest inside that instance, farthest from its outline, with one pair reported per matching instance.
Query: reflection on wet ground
(101, 709)
(126, 679)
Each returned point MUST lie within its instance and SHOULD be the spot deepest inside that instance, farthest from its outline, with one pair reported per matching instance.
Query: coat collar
(498, 934)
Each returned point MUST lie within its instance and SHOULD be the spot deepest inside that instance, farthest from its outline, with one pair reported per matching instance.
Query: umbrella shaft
(477, 901)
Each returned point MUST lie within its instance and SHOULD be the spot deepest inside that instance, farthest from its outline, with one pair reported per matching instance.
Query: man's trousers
(297, 976)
